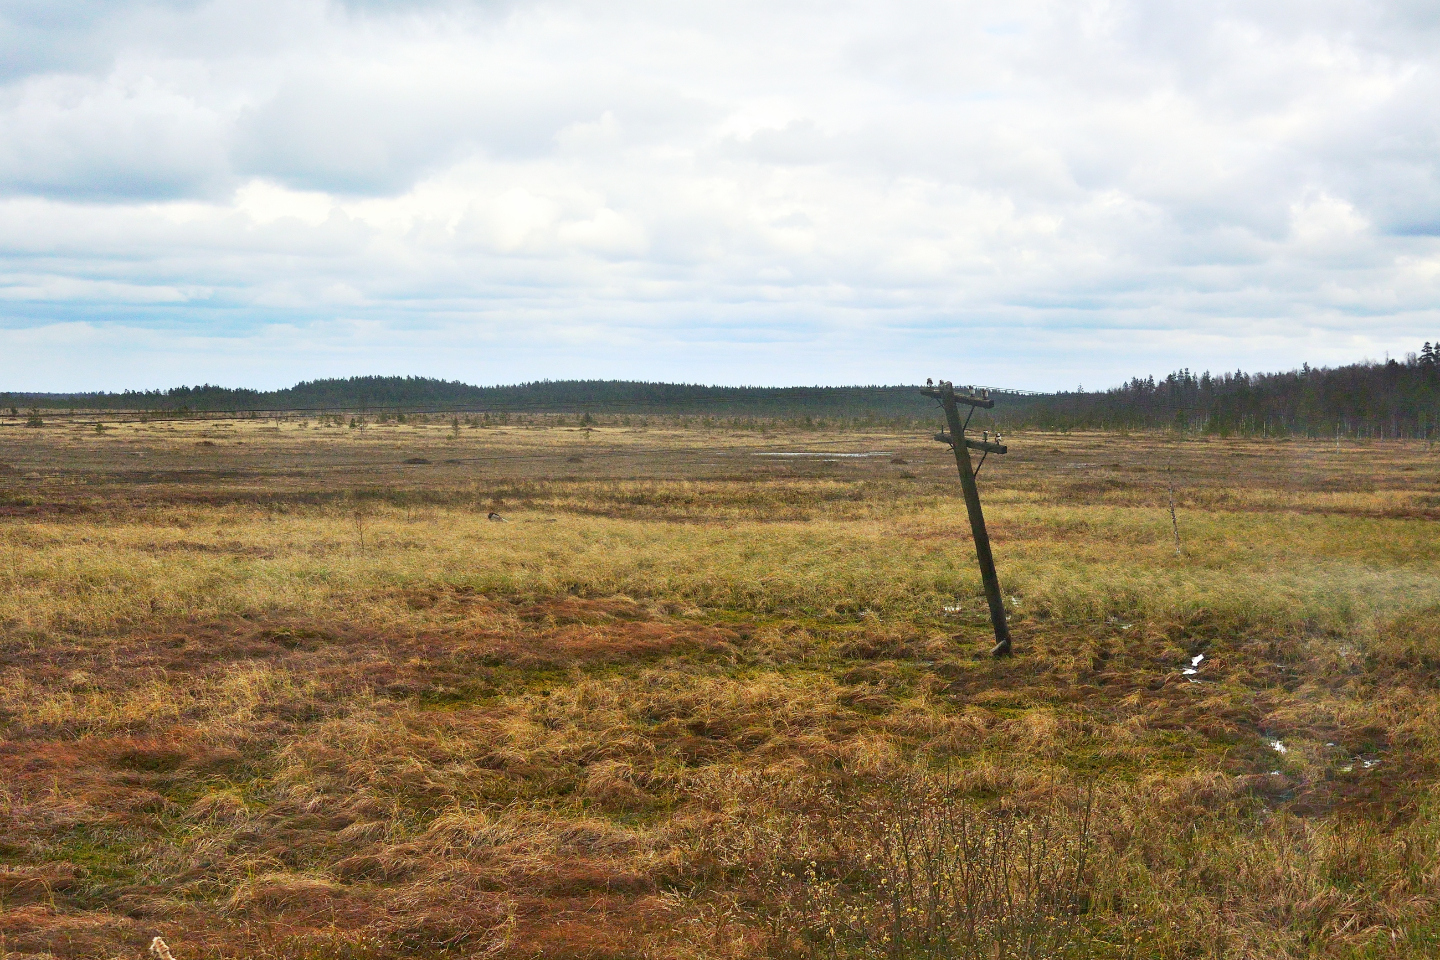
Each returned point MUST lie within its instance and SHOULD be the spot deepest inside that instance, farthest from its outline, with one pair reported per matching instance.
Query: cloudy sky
(1029, 194)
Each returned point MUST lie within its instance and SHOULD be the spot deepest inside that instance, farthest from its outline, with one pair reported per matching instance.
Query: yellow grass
(284, 694)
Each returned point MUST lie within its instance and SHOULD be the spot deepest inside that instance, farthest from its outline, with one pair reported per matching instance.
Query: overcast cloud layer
(1021, 193)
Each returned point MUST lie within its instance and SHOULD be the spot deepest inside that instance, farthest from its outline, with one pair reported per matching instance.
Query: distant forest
(1390, 399)
(404, 394)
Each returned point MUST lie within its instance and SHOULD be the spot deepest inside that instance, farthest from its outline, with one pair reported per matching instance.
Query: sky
(1040, 195)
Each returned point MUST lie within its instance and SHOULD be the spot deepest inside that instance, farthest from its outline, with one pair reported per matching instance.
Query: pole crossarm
(961, 445)
(985, 445)
(981, 399)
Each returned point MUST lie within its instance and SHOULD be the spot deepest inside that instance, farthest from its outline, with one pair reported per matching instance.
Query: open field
(269, 690)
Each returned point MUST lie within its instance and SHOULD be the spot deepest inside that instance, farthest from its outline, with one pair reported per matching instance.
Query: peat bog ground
(282, 688)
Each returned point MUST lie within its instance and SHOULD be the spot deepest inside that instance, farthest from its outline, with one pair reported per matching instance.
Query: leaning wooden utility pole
(962, 445)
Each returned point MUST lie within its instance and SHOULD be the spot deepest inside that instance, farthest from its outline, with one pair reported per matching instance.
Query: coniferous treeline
(1390, 399)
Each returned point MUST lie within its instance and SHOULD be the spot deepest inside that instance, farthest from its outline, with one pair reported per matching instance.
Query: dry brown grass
(680, 704)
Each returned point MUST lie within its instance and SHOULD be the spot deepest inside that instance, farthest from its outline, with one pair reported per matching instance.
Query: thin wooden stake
(1170, 484)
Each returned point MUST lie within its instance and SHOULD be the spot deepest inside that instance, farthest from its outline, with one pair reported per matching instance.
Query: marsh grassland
(269, 690)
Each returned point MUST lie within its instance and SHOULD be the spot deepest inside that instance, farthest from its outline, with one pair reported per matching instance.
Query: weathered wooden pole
(962, 446)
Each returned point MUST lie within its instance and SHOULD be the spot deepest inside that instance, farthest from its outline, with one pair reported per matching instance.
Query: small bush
(920, 871)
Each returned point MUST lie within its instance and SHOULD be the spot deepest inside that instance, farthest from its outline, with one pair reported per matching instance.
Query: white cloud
(265, 202)
(129, 135)
(1043, 192)
(61, 288)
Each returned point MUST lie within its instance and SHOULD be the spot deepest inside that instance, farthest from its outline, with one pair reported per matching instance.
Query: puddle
(1279, 747)
(826, 455)
(1194, 667)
